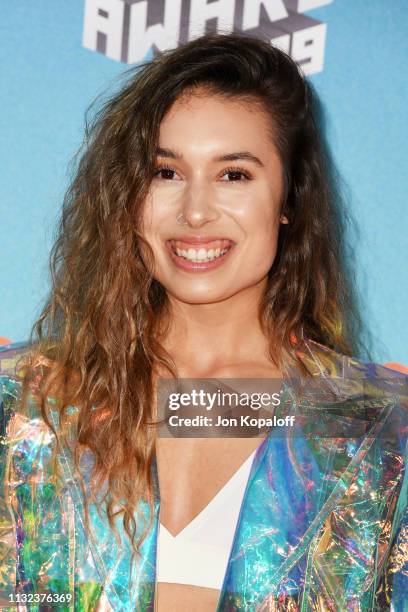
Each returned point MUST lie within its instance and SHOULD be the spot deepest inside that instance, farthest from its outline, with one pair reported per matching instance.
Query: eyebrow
(236, 155)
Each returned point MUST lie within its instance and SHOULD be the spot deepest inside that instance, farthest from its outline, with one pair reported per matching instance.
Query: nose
(199, 205)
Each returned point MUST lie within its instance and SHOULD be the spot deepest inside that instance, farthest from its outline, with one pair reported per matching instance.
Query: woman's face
(218, 167)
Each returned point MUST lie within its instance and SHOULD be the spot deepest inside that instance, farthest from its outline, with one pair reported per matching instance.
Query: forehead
(203, 115)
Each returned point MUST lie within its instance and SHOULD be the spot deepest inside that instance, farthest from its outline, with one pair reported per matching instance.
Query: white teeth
(200, 255)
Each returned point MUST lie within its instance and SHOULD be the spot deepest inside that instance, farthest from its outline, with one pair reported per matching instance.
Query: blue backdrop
(49, 78)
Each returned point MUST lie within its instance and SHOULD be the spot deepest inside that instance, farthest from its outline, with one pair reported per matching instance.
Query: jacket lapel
(98, 552)
(313, 518)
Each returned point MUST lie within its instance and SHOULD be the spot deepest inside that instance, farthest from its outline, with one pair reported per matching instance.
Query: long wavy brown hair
(98, 334)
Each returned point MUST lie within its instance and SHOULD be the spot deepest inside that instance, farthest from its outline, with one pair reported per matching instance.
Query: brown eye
(165, 173)
(235, 175)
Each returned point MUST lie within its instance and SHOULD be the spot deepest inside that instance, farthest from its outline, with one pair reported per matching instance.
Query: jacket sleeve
(45, 560)
(398, 567)
(27, 543)
(392, 593)
(9, 390)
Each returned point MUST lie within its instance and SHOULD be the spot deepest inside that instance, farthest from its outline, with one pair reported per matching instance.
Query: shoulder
(321, 360)
(15, 361)
(375, 395)
(23, 430)
(12, 357)
(373, 400)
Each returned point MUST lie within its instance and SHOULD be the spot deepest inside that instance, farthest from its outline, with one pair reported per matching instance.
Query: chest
(193, 472)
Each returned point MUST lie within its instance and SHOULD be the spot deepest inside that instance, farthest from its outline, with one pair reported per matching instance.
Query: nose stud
(181, 220)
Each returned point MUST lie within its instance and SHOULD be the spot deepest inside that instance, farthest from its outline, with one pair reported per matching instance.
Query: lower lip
(192, 266)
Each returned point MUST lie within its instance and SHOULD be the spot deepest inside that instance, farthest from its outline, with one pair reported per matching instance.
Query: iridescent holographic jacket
(323, 524)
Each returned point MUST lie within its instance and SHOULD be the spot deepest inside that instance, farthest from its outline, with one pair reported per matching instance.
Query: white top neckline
(214, 502)
(198, 554)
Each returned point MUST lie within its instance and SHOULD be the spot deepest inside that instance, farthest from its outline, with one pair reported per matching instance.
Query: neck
(205, 337)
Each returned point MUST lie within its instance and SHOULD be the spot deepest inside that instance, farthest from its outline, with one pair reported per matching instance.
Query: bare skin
(214, 330)
(191, 472)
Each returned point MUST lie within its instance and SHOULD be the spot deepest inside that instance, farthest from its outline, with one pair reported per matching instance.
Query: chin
(194, 298)
(198, 297)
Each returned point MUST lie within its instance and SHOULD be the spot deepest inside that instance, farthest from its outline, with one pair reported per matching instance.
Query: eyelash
(239, 171)
(226, 171)
(163, 167)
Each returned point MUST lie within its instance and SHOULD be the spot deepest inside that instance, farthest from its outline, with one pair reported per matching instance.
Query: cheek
(260, 218)
(149, 232)
(160, 210)
(152, 219)
(147, 216)
(262, 226)
(264, 251)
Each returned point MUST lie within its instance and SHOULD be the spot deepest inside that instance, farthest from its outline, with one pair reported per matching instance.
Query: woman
(198, 240)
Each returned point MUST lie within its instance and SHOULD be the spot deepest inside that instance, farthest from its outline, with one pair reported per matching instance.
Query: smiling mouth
(199, 253)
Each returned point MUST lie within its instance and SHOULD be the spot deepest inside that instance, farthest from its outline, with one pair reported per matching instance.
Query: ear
(283, 219)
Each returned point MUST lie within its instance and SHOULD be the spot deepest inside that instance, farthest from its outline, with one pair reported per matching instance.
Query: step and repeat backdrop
(57, 57)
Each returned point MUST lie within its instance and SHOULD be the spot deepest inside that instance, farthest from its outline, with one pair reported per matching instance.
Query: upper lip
(199, 239)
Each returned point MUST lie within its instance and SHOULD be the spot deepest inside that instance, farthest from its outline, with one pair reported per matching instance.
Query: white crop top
(198, 554)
